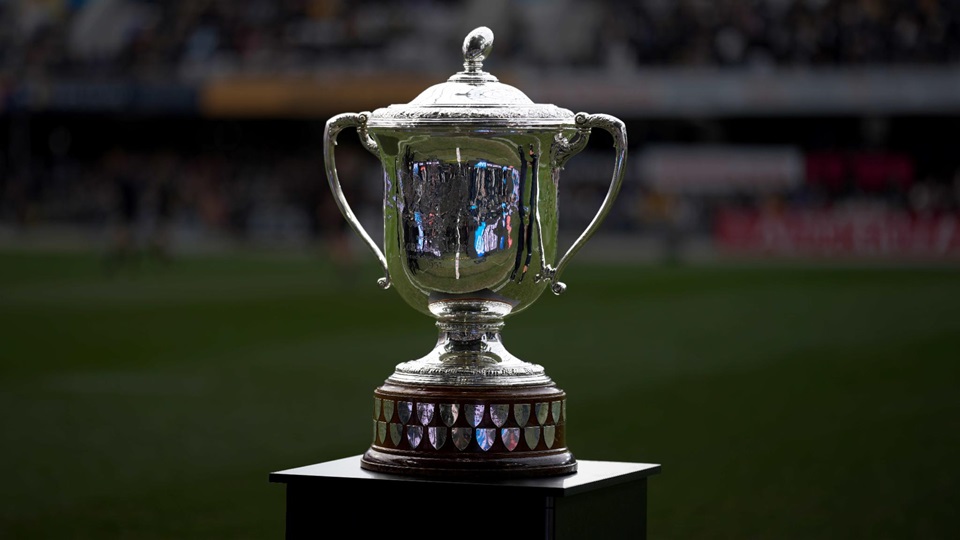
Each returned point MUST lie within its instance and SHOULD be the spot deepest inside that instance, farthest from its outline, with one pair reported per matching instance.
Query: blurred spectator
(164, 195)
(128, 199)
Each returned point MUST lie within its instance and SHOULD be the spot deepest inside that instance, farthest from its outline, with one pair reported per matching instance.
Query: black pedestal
(338, 499)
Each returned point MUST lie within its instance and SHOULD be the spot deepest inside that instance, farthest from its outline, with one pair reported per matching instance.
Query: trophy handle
(618, 131)
(333, 128)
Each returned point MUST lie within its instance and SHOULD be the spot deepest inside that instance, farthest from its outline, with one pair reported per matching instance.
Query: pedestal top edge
(589, 475)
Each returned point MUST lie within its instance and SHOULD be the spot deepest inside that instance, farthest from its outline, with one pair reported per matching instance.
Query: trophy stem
(469, 342)
(470, 353)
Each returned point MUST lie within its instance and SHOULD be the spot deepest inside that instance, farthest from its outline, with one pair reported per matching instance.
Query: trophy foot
(460, 432)
(488, 467)
(469, 351)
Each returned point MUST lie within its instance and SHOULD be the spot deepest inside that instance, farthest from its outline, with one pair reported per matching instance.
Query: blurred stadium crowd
(152, 38)
(849, 182)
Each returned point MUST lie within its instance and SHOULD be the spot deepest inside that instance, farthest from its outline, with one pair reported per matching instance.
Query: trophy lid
(472, 97)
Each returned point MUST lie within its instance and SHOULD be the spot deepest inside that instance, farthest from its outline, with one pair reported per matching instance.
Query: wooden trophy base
(469, 432)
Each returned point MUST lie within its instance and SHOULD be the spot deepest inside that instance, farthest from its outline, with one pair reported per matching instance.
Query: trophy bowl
(471, 169)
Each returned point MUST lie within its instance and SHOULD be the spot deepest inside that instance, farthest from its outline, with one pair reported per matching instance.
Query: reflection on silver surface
(464, 212)
(381, 432)
(449, 412)
(461, 437)
(425, 412)
(499, 413)
(437, 436)
(555, 409)
(521, 412)
(542, 409)
(414, 435)
(511, 437)
(486, 437)
(475, 414)
(532, 436)
(376, 407)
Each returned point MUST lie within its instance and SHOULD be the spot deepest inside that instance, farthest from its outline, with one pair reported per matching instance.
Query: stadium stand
(846, 102)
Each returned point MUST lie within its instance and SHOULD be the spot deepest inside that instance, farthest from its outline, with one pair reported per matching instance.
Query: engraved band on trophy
(471, 168)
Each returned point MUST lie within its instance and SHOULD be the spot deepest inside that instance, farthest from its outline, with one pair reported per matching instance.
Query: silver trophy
(470, 171)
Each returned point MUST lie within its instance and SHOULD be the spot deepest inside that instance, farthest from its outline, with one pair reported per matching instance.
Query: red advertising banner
(838, 233)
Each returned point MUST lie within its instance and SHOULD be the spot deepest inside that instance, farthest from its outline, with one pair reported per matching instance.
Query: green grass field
(800, 402)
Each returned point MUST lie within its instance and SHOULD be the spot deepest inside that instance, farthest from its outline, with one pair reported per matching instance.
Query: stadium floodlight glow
(471, 169)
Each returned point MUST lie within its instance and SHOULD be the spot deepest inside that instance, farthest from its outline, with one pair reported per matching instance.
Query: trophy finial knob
(476, 47)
